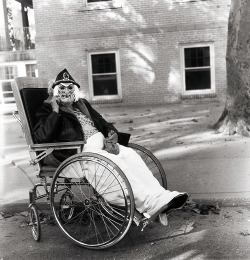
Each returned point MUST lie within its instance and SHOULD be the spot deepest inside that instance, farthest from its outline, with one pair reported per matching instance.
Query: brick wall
(148, 35)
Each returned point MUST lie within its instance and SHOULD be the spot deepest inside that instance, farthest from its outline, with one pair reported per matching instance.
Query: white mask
(67, 92)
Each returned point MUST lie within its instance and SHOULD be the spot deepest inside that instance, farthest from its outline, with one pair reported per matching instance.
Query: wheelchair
(90, 197)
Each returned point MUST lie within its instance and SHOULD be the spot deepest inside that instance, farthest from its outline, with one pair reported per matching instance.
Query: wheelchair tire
(34, 222)
(152, 162)
(102, 206)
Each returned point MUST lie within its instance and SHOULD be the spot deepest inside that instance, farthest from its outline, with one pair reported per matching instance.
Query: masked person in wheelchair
(64, 116)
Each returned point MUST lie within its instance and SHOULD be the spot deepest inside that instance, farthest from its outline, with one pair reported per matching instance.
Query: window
(31, 70)
(93, 1)
(104, 76)
(198, 69)
(8, 72)
(185, 1)
(89, 5)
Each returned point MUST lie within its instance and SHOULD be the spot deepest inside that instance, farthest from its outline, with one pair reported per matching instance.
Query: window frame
(28, 71)
(118, 74)
(20, 69)
(15, 72)
(186, 1)
(212, 69)
(102, 5)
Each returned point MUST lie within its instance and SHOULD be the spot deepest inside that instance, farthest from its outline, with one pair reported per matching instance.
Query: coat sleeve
(47, 125)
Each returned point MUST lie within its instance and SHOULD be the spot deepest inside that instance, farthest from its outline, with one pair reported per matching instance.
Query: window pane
(30, 70)
(2, 74)
(103, 63)
(105, 85)
(198, 79)
(6, 86)
(8, 72)
(93, 1)
(197, 57)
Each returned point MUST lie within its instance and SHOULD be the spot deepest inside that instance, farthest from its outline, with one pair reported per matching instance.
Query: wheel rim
(102, 203)
(152, 163)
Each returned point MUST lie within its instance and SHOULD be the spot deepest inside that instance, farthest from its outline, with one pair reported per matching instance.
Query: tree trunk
(236, 115)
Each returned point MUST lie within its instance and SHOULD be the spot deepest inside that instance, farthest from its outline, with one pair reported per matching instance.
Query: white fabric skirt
(149, 195)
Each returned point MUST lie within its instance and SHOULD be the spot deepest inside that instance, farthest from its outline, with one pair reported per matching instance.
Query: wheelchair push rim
(100, 205)
(152, 163)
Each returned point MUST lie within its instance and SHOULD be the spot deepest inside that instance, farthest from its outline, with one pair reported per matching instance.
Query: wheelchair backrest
(29, 94)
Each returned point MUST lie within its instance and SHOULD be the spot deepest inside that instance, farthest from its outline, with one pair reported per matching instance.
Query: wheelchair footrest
(140, 218)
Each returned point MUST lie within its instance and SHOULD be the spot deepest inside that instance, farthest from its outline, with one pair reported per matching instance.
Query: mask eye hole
(61, 87)
(70, 87)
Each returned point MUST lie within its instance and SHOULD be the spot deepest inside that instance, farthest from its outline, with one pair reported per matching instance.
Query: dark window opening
(104, 74)
(197, 68)
(105, 85)
(94, 1)
(198, 79)
(103, 63)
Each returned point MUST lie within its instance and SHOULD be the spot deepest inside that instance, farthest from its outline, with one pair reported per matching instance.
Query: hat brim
(65, 81)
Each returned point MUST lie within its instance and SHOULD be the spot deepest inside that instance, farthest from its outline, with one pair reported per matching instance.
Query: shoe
(176, 203)
(163, 219)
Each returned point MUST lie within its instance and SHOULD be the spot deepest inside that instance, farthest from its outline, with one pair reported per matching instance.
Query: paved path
(189, 236)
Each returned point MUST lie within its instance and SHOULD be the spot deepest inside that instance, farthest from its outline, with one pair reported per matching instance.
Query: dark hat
(64, 77)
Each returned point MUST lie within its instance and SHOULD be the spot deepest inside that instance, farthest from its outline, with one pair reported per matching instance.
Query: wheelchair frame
(90, 197)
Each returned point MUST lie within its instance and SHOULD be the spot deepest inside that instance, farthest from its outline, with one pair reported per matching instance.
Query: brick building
(135, 51)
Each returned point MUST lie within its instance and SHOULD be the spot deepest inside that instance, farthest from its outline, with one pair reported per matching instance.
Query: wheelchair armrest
(57, 146)
(48, 148)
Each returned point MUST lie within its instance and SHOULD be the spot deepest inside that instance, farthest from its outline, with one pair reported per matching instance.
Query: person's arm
(48, 123)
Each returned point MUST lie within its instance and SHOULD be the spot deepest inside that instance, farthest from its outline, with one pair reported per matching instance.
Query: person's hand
(112, 137)
(110, 133)
(110, 143)
(55, 104)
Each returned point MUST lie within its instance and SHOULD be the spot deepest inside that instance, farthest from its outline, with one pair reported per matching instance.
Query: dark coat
(54, 127)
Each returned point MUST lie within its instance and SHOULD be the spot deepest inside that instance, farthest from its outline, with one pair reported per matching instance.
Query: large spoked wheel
(97, 208)
(34, 222)
(152, 162)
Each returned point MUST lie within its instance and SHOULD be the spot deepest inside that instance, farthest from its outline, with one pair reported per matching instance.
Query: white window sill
(199, 95)
(105, 100)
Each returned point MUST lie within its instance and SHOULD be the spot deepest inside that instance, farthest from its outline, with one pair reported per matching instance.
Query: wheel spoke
(84, 212)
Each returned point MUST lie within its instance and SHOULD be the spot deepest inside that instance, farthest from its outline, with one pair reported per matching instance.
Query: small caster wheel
(34, 222)
(66, 210)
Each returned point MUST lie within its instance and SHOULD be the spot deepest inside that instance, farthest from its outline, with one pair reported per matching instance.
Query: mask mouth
(66, 96)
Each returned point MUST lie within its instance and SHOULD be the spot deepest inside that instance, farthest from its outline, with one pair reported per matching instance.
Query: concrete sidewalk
(216, 171)
(189, 235)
